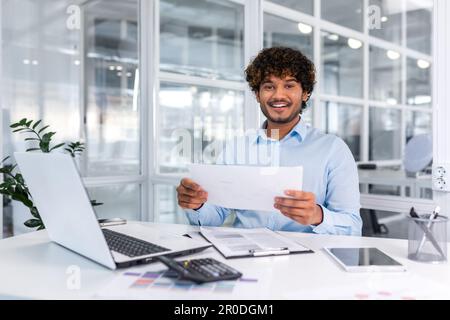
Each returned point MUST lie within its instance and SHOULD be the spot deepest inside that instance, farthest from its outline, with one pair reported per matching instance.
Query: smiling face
(281, 99)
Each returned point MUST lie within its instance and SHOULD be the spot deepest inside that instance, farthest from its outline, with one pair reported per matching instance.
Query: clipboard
(249, 243)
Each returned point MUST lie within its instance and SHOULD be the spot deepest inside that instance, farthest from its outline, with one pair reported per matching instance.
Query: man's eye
(268, 87)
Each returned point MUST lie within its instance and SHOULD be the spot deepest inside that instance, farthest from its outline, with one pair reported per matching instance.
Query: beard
(295, 113)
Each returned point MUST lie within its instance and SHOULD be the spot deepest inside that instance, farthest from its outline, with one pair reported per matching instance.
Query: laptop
(65, 208)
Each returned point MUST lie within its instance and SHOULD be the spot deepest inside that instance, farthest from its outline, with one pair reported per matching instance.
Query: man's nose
(279, 93)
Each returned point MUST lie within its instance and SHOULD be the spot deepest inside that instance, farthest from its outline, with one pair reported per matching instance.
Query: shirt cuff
(326, 227)
(194, 215)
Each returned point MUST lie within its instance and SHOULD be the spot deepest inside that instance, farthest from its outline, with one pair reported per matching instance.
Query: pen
(269, 252)
(430, 222)
(427, 232)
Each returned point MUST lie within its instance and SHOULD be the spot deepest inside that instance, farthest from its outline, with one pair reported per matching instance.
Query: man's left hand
(300, 207)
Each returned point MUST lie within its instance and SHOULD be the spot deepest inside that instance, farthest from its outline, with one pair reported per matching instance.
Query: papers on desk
(246, 187)
(237, 243)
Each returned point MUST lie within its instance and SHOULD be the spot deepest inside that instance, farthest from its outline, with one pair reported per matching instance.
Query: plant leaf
(32, 149)
(33, 223)
(19, 178)
(19, 197)
(36, 124)
(57, 146)
(15, 125)
(5, 159)
(35, 213)
(48, 136)
(42, 129)
(32, 139)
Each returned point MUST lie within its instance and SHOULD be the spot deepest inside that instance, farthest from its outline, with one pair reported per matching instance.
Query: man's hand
(301, 207)
(191, 195)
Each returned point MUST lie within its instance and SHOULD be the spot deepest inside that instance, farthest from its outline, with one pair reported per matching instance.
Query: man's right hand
(191, 195)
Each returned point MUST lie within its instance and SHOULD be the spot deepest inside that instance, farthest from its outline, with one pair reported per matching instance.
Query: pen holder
(427, 239)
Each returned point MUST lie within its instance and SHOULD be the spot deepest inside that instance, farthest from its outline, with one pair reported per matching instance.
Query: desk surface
(33, 267)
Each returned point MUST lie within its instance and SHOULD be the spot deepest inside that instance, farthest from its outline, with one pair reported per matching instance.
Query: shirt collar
(300, 131)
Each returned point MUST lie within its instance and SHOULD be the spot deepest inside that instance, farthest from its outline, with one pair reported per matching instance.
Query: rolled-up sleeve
(342, 202)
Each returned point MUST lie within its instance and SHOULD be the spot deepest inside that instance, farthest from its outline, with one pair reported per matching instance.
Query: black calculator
(201, 270)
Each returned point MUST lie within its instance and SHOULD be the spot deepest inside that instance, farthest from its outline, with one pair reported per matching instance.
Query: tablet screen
(354, 257)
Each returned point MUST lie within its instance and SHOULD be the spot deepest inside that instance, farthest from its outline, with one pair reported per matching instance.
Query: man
(283, 80)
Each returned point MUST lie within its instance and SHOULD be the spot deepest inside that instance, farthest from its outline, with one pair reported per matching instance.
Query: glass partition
(347, 13)
(202, 38)
(288, 33)
(342, 65)
(304, 6)
(345, 121)
(74, 65)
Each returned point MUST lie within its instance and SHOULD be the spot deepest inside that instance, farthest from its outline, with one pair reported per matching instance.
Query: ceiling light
(393, 55)
(119, 74)
(305, 28)
(384, 19)
(112, 68)
(26, 61)
(354, 44)
(35, 62)
(422, 99)
(77, 62)
(391, 101)
(119, 68)
(333, 37)
(423, 64)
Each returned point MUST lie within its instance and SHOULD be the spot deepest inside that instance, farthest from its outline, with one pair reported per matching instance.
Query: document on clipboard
(238, 243)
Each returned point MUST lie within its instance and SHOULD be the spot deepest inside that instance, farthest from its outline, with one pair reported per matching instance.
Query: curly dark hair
(281, 62)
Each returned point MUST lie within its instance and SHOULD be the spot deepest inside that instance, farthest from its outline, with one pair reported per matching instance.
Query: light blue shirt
(329, 171)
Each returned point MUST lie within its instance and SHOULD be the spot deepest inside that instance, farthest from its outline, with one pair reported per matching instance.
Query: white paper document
(233, 242)
(246, 187)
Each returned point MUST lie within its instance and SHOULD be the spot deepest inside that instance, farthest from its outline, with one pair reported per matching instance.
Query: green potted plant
(14, 186)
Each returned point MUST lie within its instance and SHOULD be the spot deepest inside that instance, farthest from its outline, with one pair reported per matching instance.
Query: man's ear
(305, 96)
(257, 96)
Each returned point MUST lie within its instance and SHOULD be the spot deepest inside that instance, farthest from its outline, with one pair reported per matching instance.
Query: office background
(123, 76)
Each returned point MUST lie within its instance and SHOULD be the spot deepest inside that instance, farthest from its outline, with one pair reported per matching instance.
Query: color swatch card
(164, 284)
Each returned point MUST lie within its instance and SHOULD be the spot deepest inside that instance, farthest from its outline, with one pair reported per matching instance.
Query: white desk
(33, 267)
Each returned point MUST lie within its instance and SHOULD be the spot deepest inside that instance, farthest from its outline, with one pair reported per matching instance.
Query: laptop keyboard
(130, 246)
